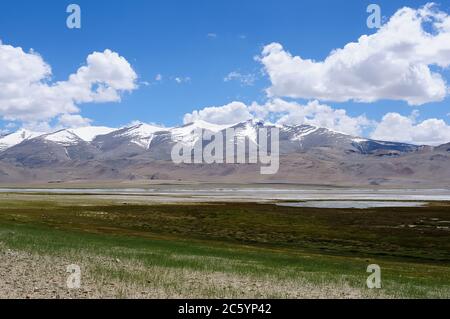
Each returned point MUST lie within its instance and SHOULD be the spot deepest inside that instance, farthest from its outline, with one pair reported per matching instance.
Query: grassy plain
(132, 249)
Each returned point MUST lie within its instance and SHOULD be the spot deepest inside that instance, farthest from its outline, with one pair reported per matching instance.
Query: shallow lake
(352, 204)
(252, 193)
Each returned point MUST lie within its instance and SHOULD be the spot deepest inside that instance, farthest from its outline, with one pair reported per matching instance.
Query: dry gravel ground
(28, 276)
(23, 275)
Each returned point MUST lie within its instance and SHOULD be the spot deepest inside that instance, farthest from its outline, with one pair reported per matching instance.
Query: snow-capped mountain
(144, 151)
(75, 136)
(37, 150)
(306, 137)
(187, 133)
(89, 133)
(144, 137)
(64, 137)
(15, 138)
(127, 141)
(141, 134)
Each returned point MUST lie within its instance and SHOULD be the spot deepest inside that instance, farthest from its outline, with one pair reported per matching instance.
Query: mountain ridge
(143, 152)
(144, 131)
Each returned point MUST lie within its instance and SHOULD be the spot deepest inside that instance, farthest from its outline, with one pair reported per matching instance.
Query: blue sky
(200, 42)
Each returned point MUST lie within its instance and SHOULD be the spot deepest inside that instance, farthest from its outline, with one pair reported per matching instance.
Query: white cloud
(244, 79)
(28, 95)
(73, 121)
(283, 112)
(312, 113)
(232, 113)
(158, 77)
(212, 35)
(398, 128)
(393, 127)
(11, 125)
(104, 77)
(39, 126)
(401, 61)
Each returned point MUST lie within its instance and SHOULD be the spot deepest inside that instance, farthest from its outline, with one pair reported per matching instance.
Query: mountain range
(142, 152)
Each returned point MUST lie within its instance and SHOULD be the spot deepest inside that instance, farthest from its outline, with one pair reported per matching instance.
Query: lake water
(335, 196)
(352, 204)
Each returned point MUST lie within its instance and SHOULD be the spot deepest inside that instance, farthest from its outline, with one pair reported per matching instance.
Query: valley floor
(127, 247)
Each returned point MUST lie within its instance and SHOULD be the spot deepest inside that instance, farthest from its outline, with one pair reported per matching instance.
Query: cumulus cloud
(231, 113)
(401, 61)
(398, 128)
(27, 93)
(73, 121)
(283, 112)
(39, 126)
(393, 126)
(311, 113)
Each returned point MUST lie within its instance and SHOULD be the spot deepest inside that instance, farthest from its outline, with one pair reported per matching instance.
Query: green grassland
(223, 250)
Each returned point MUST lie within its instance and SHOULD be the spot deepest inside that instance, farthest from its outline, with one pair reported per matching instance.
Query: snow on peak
(73, 136)
(200, 124)
(248, 131)
(144, 129)
(16, 138)
(187, 133)
(302, 131)
(359, 140)
(89, 133)
(142, 134)
(64, 137)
